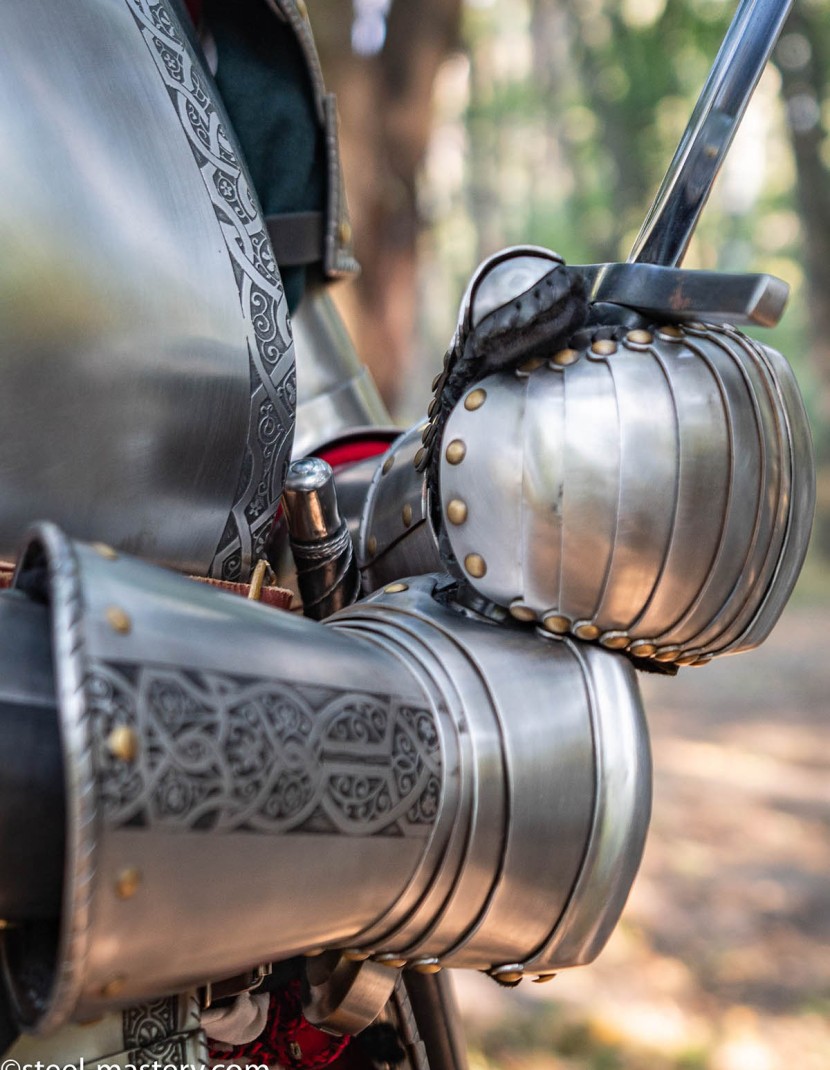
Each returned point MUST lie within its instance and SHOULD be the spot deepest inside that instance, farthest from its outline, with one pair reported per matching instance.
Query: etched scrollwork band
(234, 754)
(264, 308)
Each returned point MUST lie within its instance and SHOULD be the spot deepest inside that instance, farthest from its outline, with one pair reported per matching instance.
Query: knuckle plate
(654, 494)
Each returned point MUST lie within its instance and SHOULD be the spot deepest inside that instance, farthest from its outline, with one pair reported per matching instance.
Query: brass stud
(704, 659)
(113, 988)
(687, 659)
(508, 975)
(387, 464)
(556, 624)
(372, 545)
(315, 952)
(103, 550)
(670, 334)
(436, 380)
(520, 611)
(406, 515)
(419, 456)
(456, 511)
(353, 954)
(475, 399)
(640, 338)
(390, 959)
(530, 366)
(456, 451)
(127, 882)
(642, 648)
(395, 588)
(543, 978)
(668, 653)
(426, 966)
(118, 620)
(603, 347)
(344, 231)
(475, 565)
(433, 405)
(426, 431)
(565, 357)
(123, 743)
(584, 629)
(614, 640)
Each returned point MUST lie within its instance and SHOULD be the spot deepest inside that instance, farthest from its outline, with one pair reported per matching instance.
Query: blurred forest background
(468, 125)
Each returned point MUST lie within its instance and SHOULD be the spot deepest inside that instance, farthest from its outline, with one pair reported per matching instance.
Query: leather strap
(296, 237)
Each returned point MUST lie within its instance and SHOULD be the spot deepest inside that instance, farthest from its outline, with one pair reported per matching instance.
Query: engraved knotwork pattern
(264, 308)
(150, 1022)
(241, 754)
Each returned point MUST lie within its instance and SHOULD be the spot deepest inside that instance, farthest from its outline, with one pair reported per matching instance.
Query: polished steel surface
(126, 341)
(654, 495)
(495, 784)
(335, 392)
(742, 57)
(344, 996)
(310, 500)
(396, 538)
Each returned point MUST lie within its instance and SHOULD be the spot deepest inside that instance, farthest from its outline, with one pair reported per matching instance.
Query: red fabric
(288, 1039)
(351, 452)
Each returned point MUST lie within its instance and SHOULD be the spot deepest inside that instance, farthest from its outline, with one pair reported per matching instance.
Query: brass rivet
(118, 620)
(686, 659)
(522, 612)
(372, 545)
(640, 337)
(113, 988)
(456, 451)
(314, 953)
(436, 380)
(344, 233)
(542, 978)
(704, 659)
(603, 347)
(419, 456)
(354, 955)
(425, 433)
(614, 640)
(104, 550)
(123, 743)
(475, 399)
(396, 588)
(671, 334)
(406, 515)
(433, 405)
(565, 357)
(456, 511)
(426, 966)
(642, 648)
(127, 882)
(475, 565)
(387, 464)
(668, 653)
(509, 975)
(584, 629)
(556, 624)
(530, 366)
(390, 959)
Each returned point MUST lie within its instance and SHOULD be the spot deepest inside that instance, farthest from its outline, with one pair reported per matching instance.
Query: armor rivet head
(456, 451)
(354, 955)
(519, 611)
(704, 659)
(344, 231)
(436, 380)
(426, 966)
(584, 629)
(687, 659)
(433, 405)
(390, 959)
(668, 653)
(475, 565)
(113, 988)
(419, 456)
(406, 515)
(642, 648)
(118, 620)
(640, 337)
(530, 366)
(565, 357)
(542, 978)
(508, 975)
(614, 640)
(387, 464)
(314, 953)
(395, 588)
(556, 624)
(123, 743)
(103, 550)
(670, 334)
(456, 511)
(372, 545)
(127, 882)
(475, 399)
(603, 347)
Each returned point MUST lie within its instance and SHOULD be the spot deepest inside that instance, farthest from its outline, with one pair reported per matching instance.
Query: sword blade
(747, 46)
